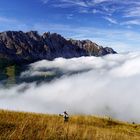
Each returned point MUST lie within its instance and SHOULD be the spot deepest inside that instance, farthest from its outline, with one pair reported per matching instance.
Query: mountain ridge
(26, 47)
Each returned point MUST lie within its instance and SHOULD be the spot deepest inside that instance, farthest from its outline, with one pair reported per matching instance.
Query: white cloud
(107, 86)
(132, 12)
(45, 1)
(81, 3)
(100, 1)
(131, 22)
(106, 8)
(66, 3)
(111, 20)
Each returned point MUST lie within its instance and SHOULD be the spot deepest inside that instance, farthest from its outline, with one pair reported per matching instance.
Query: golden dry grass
(30, 126)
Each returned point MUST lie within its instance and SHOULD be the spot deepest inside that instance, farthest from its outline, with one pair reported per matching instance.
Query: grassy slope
(16, 126)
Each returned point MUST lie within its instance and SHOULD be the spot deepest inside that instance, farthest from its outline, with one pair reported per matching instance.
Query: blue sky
(113, 23)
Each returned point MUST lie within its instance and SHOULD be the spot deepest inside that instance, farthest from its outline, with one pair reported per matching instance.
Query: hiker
(65, 116)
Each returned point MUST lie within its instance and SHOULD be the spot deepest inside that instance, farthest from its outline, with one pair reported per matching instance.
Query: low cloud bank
(100, 85)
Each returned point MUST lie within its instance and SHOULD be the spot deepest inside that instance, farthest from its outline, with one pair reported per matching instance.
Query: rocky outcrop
(20, 47)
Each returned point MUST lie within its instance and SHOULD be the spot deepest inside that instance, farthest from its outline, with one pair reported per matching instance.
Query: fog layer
(89, 85)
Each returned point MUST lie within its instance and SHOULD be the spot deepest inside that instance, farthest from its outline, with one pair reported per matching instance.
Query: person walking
(65, 116)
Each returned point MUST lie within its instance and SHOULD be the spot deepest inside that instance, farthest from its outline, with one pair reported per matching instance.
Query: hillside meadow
(26, 126)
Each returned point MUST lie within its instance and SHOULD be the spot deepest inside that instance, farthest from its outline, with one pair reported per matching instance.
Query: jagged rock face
(20, 47)
(92, 48)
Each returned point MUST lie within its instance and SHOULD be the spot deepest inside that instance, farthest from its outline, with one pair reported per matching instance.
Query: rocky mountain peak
(31, 46)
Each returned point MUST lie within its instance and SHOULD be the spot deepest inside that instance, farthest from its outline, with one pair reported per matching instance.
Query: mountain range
(26, 47)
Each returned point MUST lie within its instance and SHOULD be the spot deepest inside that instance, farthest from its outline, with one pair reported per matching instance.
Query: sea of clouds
(108, 85)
